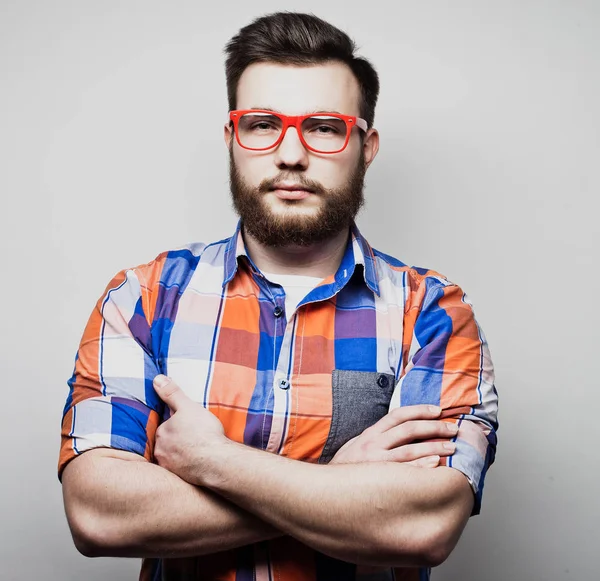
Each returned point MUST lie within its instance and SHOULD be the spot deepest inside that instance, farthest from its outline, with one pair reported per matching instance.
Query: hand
(188, 435)
(409, 434)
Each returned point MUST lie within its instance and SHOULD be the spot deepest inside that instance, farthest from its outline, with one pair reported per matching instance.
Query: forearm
(375, 513)
(131, 508)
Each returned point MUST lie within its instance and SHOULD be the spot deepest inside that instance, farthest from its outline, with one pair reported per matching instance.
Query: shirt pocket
(359, 400)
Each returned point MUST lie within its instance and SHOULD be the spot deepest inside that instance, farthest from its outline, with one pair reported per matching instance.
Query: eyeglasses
(260, 130)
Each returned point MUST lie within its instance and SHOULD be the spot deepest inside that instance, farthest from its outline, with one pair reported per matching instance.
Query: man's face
(289, 195)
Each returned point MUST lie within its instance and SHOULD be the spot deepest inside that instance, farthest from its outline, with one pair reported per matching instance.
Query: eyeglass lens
(321, 132)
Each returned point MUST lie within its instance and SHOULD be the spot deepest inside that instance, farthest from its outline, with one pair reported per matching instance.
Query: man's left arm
(448, 364)
(377, 513)
(374, 513)
(371, 513)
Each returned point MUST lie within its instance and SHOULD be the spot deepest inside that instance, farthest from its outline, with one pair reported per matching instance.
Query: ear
(228, 134)
(371, 146)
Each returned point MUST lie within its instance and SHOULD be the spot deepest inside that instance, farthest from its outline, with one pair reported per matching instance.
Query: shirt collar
(358, 251)
(234, 248)
(363, 254)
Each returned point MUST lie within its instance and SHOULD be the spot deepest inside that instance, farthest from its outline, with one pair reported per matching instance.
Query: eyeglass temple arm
(362, 124)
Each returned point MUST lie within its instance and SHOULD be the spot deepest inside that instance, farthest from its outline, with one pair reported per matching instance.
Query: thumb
(169, 392)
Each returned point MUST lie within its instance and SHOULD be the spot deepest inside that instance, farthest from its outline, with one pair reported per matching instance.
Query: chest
(300, 385)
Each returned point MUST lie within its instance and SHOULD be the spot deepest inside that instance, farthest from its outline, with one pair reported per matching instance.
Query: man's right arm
(119, 504)
(117, 501)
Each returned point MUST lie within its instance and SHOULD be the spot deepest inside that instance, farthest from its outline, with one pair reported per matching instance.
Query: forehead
(295, 90)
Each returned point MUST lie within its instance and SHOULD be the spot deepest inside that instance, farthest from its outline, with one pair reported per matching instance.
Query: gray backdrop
(111, 151)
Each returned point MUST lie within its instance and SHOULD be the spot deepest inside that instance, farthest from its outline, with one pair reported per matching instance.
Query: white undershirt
(295, 286)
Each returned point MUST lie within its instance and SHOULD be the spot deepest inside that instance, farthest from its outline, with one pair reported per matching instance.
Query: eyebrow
(315, 112)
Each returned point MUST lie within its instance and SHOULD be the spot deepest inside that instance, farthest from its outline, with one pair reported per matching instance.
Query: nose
(290, 152)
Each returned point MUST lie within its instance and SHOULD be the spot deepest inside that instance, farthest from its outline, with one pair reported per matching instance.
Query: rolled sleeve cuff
(472, 457)
(107, 422)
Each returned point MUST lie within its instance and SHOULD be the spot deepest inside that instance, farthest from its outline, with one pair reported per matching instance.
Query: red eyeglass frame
(296, 121)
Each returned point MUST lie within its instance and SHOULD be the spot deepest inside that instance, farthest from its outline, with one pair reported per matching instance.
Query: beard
(338, 208)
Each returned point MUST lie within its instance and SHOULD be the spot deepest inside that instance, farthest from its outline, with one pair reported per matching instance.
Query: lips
(291, 191)
(292, 187)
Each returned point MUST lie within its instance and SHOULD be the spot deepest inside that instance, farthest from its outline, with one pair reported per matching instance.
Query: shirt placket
(282, 375)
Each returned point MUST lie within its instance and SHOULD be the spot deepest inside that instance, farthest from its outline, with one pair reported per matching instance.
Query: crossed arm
(376, 503)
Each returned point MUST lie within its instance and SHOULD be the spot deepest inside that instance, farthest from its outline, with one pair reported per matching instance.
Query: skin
(408, 516)
(298, 91)
(120, 505)
(206, 493)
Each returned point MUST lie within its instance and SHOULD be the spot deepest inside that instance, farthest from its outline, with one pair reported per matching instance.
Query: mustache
(268, 184)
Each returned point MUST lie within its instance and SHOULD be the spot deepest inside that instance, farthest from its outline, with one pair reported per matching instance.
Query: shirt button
(278, 311)
(284, 384)
(383, 381)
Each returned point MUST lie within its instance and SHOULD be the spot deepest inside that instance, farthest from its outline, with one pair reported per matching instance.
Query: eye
(262, 126)
(323, 126)
(258, 123)
(325, 129)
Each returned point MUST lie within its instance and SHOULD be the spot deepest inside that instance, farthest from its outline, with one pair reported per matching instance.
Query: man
(287, 403)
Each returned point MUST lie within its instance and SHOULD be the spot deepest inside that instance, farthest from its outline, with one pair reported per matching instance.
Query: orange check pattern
(207, 317)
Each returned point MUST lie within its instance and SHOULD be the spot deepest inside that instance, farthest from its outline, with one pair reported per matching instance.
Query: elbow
(88, 537)
(427, 545)
(94, 529)
(86, 546)
(436, 552)
(438, 541)
(91, 533)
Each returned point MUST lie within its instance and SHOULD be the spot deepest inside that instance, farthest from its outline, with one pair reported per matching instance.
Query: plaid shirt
(376, 335)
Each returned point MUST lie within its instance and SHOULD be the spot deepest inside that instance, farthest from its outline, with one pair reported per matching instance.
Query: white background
(111, 151)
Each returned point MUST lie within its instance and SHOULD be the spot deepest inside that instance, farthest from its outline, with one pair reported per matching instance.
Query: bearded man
(288, 403)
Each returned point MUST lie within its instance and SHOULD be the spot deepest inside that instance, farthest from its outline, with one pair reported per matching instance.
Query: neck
(319, 260)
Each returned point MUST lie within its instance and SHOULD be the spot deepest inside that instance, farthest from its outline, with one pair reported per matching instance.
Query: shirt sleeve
(111, 402)
(447, 363)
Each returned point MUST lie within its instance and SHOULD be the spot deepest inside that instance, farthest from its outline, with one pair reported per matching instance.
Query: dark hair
(298, 39)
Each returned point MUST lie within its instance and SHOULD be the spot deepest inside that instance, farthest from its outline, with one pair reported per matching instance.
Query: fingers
(404, 414)
(427, 462)
(169, 392)
(423, 453)
(418, 430)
